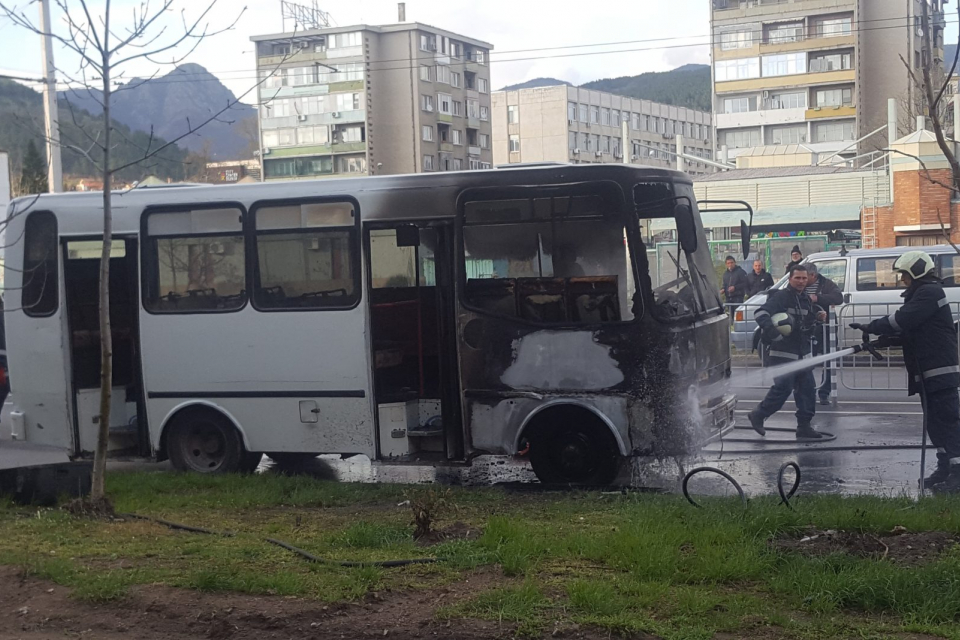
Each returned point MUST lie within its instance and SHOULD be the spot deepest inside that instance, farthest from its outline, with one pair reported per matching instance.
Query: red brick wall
(917, 201)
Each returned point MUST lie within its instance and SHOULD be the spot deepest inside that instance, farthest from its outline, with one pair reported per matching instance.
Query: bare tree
(935, 89)
(104, 51)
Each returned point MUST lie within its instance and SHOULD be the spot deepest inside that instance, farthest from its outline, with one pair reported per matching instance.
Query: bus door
(81, 283)
(412, 311)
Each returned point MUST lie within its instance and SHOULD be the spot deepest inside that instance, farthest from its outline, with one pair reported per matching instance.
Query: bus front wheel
(584, 454)
(203, 441)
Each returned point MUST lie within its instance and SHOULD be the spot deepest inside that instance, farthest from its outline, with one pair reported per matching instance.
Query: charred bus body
(428, 318)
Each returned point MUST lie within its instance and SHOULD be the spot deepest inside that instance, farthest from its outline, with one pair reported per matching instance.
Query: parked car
(866, 278)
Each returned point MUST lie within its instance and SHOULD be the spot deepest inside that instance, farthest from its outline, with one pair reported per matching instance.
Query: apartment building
(814, 72)
(569, 124)
(366, 100)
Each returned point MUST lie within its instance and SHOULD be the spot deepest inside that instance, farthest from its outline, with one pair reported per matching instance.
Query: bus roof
(395, 197)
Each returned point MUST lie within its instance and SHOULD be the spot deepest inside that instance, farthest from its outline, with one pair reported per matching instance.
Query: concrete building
(365, 100)
(814, 72)
(568, 124)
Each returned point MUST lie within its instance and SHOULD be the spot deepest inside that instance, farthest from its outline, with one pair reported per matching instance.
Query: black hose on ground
(384, 564)
(719, 472)
(785, 497)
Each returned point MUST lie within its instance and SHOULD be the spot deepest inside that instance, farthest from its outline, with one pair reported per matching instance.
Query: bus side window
(194, 261)
(40, 295)
(547, 260)
(306, 256)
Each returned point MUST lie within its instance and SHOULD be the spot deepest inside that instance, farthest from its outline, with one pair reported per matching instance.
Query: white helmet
(783, 324)
(915, 264)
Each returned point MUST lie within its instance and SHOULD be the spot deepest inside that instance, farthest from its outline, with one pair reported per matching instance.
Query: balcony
(316, 150)
(762, 117)
(473, 150)
(796, 80)
(274, 93)
(343, 117)
(473, 122)
(446, 147)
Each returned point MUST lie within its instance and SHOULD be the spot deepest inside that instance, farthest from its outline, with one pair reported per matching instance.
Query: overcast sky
(526, 34)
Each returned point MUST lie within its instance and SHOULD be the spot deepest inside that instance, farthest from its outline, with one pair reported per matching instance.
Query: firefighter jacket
(803, 318)
(924, 326)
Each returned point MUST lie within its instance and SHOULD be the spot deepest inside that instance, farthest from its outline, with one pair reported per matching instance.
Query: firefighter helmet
(783, 324)
(915, 264)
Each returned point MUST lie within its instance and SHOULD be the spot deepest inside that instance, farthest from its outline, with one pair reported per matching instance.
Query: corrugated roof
(772, 172)
(776, 150)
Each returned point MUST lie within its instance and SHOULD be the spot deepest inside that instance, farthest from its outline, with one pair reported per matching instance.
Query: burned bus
(431, 318)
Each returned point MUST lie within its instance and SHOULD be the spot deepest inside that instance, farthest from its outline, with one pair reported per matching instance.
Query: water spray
(768, 375)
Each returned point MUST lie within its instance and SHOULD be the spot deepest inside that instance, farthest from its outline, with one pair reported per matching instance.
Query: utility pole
(50, 114)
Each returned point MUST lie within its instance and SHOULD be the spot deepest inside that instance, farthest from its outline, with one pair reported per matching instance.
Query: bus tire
(577, 448)
(204, 441)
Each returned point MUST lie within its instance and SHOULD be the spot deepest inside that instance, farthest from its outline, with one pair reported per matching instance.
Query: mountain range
(686, 86)
(170, 105)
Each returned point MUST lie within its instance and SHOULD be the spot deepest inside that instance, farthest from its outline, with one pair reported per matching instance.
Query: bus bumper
(719, 419)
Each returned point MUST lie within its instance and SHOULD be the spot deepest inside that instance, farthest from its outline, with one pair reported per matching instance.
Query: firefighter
(787, 323)
(924, 327)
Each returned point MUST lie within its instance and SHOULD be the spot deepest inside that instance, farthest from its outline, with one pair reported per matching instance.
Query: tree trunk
(97, 491)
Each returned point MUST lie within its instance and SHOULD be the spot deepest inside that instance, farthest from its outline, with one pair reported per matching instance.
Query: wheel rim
(204, 447)
(575, 457)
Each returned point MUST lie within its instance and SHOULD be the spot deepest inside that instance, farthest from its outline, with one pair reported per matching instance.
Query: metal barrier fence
(853, 373)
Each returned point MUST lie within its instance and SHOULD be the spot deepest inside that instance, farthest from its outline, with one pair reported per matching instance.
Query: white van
(867, 280)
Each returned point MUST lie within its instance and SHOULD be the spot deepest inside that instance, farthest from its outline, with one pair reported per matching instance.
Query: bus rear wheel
(583, 454)
(204, 441)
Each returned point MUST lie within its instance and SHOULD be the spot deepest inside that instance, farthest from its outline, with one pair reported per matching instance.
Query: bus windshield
(683, 282)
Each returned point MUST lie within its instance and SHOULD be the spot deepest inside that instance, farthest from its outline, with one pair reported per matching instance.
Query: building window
(456, 79)
(428, 163)
(833, 27)
(791, 100)
(605, 117)
(344, 40)
(483, 85)
(784, 64)
(425, 73)
(480, 56)
(313, 135)
(279, 138)
(445, 103)
(594, 115)
(786, 32)
(741, 69)
(788, 135)
(40, 295)
(514, 143)
(615, 118)
(831, 62)
(583, 112)
(352, 164)
(306, 256)
(455, 49)
(194, 261)
(834, 132)
(571, 140)
(742, 39)
(426, 103)
(605, 144)
(458, 164)
(741, 138)
(427, 133)
(834, 97)
(585, 141)
(513, 114)
(595, 141)
(353, 133)
(571, 111)
(428, 42)
(473, 108)
(484, 113)
(484, 141)
(443, 74)
(740, 105)
(457, 136)
(645, 124)
(458, 108)
(281, 49)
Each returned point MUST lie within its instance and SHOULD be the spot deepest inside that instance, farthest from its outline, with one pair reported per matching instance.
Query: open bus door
(128, 432)
(413, 328)
(732, 206)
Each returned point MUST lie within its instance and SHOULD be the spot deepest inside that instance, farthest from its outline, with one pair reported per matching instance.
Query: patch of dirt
(899, 546)
(87, 507)
(456, 531)
(33, 609)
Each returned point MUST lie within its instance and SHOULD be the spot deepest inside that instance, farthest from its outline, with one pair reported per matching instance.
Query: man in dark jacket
(795, 258)
(924, 327)
(759, 279)
(734, 283)
(787, 322)
(823, 293)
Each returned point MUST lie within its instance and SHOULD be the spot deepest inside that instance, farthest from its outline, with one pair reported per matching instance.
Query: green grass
(627, 564)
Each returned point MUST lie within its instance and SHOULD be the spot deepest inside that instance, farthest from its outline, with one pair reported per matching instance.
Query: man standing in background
(759, 279)
(795, 258)
(734, 285)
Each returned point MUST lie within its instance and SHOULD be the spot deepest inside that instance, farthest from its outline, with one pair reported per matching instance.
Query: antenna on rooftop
(303, 16)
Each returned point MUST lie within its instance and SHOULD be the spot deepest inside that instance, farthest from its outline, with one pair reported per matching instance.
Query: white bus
(432, 317)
